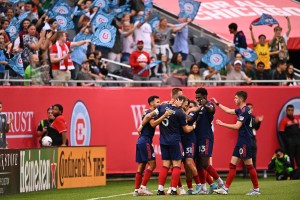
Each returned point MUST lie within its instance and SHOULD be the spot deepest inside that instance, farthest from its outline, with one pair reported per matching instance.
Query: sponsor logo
(80, 129)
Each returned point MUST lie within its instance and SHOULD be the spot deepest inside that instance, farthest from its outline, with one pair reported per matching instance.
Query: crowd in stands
(53, 57)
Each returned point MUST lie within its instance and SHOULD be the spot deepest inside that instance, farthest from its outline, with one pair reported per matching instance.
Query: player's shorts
(172, 152)
(243, 151)
(144, 153)
(189, 149)
(204, 148)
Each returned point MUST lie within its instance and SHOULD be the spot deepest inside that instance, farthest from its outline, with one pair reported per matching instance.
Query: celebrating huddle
(186, 136)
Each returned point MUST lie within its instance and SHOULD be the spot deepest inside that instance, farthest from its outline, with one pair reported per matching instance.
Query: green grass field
(270, 188)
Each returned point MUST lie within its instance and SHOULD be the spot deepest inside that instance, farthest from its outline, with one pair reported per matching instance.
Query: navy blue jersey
(204, 123)
(239, 40)
(191, 135)
(147, 132)
(245, 131)
(170, 128)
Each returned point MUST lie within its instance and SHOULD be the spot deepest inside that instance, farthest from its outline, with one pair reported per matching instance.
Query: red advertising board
(110, 117)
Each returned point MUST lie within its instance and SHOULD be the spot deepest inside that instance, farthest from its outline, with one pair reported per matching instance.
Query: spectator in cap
(138, 60)
(235, 73)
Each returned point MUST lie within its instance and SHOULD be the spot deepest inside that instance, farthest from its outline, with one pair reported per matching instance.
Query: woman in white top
(290, 76)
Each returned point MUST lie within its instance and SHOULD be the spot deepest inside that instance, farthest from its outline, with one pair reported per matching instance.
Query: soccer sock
(138, 180)
(253, 176)
(196, 179)
(212, 172)
(147, 176)
(231, 175)
(189, 183)
(209, 179)
(179, 182)
(162, 177)
(202, 175)
(175, 176)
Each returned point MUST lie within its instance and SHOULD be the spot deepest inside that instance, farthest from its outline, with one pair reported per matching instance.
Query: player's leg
(166, 161)
(253, 177)
(189, 178)
(142, 160)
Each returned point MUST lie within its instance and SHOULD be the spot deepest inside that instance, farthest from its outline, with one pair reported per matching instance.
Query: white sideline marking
(112, 196)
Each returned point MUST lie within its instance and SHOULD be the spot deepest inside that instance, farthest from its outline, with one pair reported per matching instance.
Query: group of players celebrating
(186, 136)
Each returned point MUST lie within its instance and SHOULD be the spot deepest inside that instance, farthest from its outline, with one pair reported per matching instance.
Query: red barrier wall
(110, 116)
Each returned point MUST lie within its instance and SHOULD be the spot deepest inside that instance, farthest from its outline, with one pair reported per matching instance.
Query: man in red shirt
(138, 60)
(58, 128)
(60, 58)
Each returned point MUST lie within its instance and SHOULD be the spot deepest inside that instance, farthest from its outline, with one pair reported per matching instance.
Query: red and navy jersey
(191, 135)
(239, 40)
(245, 131)
(147, 133)
(170, 128)
(204, 123)
(290, 126)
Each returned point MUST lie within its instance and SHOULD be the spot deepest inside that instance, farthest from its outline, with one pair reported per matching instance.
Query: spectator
(236, 73)
(261, 74)
(58, 129)
(97, 68)
(32, 71)
(162, 35)
(29, 6)
(138, 60)
(4, 128)
(279, 72)
(194, 76)
(136, 6)
(115, 52)
(249, 71)
(262, 50)
(289, 133)
(181, 44)
(163, 70)
(128, 40)
(44, 125)
(211, 74)
(143, 31)
(60, 58)
(290, 75)
(85, 74)
(9, 14)
(239, 39)
(281, 164)
(178, 77)
(279, 44)
(3, 58)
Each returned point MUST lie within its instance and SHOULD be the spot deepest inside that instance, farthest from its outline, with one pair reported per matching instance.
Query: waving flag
(101, 18)
(102, 4)
(153, 64)
(81, 36)
(64, 22)
(215, 58)
(14, 25)
(16, 64)
(148, 5)
(188, 8)
(105, 36)
(265, 19)
(248, 54)
(154, 22)
(77, 12)
(120, 11)
(14, 1)
(59, 8)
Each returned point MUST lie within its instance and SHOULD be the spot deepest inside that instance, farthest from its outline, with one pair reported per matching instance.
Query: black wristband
(218, 104)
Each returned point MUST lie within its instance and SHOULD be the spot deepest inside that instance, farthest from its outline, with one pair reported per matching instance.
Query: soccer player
(144, 149)
(243, 148)
(205, 140)
(170, 143)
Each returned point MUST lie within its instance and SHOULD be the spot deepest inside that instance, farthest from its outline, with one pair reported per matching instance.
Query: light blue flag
(64, 22)
(105, 35)
(120, 11)
(188, 8)
(60, 8)
(23, 16)
(153, 64)
(101, 18)
(77, 12)
(148, 5)
(16, 64)
(248, 54)
(154, 22)
(14, 26)
(215, 58)
(113, 4)
(265, 19)
(81, 36)
(14, 1)
(102, 4)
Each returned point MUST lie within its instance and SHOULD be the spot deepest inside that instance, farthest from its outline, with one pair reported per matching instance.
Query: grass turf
(270, 189)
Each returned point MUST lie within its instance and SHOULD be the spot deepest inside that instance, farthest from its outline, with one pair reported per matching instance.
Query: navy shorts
(144, 153)
(189, 149)
(172, 152)
(204, 148)
(243, 151)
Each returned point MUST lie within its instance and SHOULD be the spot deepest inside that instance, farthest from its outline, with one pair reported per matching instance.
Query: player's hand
(203, 102)
(250, 27)
(260, 118)
(9, 121)
(168, 112)
(214, 100)
(219, 122)
(139, 130)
